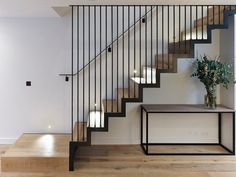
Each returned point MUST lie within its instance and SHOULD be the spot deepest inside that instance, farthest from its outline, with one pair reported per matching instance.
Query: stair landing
(37, 153)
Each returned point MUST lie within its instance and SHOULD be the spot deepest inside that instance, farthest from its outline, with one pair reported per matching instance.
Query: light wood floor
(129, 161)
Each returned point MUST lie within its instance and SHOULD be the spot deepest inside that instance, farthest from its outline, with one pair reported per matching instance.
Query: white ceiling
(43, 8)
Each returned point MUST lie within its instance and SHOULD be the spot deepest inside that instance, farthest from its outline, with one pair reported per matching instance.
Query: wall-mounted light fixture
(67, 79)
(143, 20)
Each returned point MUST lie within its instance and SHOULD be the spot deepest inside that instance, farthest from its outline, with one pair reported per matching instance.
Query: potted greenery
(212, 72)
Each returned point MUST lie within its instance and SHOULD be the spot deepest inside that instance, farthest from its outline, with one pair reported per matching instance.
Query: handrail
(69, 74)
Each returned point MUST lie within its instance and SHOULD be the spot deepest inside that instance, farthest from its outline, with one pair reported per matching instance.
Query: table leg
(233, 117)
(146, 132)
(141, 123)
(219, 127)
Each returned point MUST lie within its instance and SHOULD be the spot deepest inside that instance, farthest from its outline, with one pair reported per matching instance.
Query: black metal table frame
(146, 144)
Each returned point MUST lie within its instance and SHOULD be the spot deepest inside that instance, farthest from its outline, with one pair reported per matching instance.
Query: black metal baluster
(219, 14)
(112, 62)
(162, 39)
(168, 31)
(179, 27)
(78, 61)
(100, 66)
(202, 24)
(207, 16)
(83, 76)
(196, 22)
(191, 21)
(213, 15)
(151, 47)
(134, 47)
(72, 82)
(128, 51)
(123, 49)
(223, 14)
(185, 29)
(140, 43)
(146, 42)
(157, 40)
(174, 28)
(89, 65)
(117, 35)
(106, 54)
(95, 63)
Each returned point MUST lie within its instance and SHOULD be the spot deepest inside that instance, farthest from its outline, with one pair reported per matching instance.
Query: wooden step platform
(37, 153)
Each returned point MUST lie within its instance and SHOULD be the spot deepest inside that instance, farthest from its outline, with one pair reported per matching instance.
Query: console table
(157, 108)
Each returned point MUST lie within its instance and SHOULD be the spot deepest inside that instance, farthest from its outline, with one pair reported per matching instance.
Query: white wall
(35, 49)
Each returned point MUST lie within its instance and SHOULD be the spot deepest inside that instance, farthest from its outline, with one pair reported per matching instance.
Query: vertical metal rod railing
(72, 72)
(168, 36)
(134, 15)
(191, 23)
(213, 15)
(174, 35)
(78, 83)
(185, 29)
(196, 22)
(112, 60)
(157, 37)
(83, 128)
(146, 81)
(140, 44)
(163, 36)
(106, 78)
(117, 51)
(95, 62)
(123, 50)
(202, 23)
(100, 69)
(151, 47)
(129, 51)
(116, 43)
(89, 69)
(179, 27)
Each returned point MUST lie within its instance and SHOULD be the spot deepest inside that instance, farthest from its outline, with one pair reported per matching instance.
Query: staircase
(194, 25)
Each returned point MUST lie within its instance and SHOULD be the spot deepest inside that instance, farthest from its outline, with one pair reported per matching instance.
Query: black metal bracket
(73, 146)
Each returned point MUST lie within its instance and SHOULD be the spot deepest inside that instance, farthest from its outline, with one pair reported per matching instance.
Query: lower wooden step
(37, 153)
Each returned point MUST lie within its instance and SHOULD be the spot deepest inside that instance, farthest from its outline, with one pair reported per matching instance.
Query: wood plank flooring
(129, 161)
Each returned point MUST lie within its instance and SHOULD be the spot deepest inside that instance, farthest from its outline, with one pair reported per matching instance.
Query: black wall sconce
(67, 79)
(143, 20)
